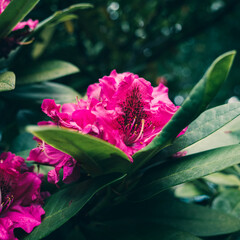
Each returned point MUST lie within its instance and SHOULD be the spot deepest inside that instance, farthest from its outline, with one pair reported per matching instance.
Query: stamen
(141, 131)
(43, 150)
(26, 43)
(132, 125)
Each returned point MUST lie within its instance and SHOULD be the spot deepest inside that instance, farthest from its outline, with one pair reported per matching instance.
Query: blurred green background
(162, 40)
(173, 39)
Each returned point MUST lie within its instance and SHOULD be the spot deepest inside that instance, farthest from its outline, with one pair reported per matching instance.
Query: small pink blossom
(122, 109)
(46, 154)
(30, 23)
(20, 197)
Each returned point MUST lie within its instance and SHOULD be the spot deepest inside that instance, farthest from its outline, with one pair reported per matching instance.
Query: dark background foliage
(173, 39)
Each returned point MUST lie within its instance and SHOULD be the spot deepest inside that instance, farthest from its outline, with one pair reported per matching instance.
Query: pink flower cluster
(20, 197)
(122, 109)
(30, 23)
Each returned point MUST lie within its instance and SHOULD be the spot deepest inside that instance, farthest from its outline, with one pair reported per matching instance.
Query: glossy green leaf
(42, 41)
(14, 13)
(198, 220)
(64, 14)
(64, 204)
(221, 138)
(194, 105)
(7, 81)
(228, 201)
(47, 70)
(36, 93)
(185, 169)
(208, 123)
(95, 155)
(134, 229)
(223, 179)
(164, 210)
(188, 190)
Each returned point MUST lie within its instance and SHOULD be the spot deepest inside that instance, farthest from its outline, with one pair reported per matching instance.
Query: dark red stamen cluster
(131, 122)
(5, 192)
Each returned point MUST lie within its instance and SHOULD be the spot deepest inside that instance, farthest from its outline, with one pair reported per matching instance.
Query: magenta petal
(71, 171)
(26, 217)
(94, 91)
(108, 87)
(30, 23)
(83, 118)
(20, 195)
(69, 108)
(6, 229)
(53, 176)
(28, 183)
(160, 94)
(50, 107)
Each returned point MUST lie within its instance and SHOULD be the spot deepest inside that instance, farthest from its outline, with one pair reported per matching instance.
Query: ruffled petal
(26, 217)
(6, 229)
(30, 23)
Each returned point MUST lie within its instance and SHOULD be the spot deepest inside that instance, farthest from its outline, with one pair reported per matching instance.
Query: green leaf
(188, 190)
(36, 93)
(62, 15)
(14, 13)
(228, 202)
(169, 212)
(208, 123)
(64, 204)
(95, 155)
(47, 70)
(194, 105)
(133, 229)
(184, 169)
(42, 41)
(224, 179)
(7, 81)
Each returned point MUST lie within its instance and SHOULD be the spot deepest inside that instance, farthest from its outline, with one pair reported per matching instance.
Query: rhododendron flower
(20, 197)
(122, 109)
(135, 111)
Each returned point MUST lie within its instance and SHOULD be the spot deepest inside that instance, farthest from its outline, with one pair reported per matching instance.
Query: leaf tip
(230, 54)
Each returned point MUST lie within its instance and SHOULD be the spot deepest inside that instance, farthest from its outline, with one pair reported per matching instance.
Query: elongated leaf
(42, 41)
(223, 179)
(206, 124)
(134, 229)
(228, 202)
(14, 13)
(95, 155)
(195, 104)
(7, 81)
(47, 70)
(188, 190)
(221, 138)
(67, 202)
(59, 16)
(35, 93)
(190, 218)
(185, 169)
